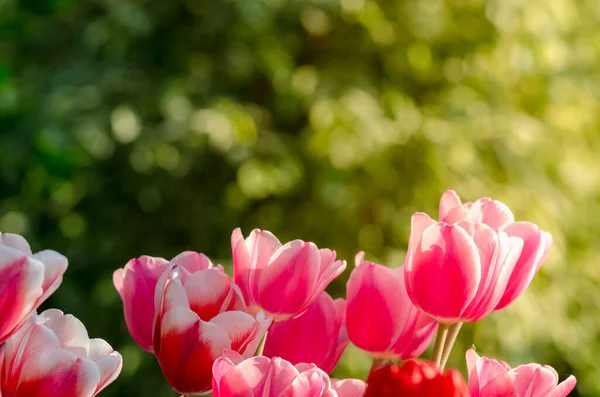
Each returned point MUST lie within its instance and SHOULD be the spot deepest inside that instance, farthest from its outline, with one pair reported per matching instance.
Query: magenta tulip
(458, 272)
(26, 280)
(52, 356)
(536, 242)
(282, 280)
(380, 317)
(275, 377)
(318, 336)
(136, 284)
(199, 315)
(494, 378)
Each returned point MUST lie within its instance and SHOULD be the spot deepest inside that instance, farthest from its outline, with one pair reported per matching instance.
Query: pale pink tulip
(536, 242)
(282, 280)
(26, 280)
(493, 378)
(52, 356)
(275, 377)
(199, 315)
(458, 272)
(136, 284)
(318, 336)
(380, 317)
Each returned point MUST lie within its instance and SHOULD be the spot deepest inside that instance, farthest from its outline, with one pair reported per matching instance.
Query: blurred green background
(132, 127)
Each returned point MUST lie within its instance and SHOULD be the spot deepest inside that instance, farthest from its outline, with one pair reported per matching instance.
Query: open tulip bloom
(493, 378)
(52, 356)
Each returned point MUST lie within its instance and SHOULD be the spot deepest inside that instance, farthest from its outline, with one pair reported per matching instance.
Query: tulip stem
(261, 346)
(438, 347)
(450, 339)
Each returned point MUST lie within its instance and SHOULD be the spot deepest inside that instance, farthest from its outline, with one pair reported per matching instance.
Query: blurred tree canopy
(132, 127)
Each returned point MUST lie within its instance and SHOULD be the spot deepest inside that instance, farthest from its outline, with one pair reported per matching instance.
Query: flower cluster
(47, 354)
(272, 330)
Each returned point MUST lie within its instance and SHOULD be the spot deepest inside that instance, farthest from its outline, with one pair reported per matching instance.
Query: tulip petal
(532, 254)
(192, 261)
(564, 388)
(15, 242)
(21, 280)
(376, 303)
(292, 273)
(240, 327)
(448, 202)
(209, 293)
(444, 272)
(349, 387)
(250, 256)
(187, 350)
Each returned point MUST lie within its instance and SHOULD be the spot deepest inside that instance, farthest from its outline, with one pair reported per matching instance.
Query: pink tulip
(136, 284)
(199, 315)
(536, 242)
(494, 378)
(381, 318)
(52, 356)
(318, 336)
(282, 280)
(26, 280)
(458, 272)
(275, 377)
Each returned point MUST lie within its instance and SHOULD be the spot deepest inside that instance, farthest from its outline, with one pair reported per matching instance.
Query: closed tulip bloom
(415, 379)
(52, 356)
(380, 317)
(458, 272)
(282, 280)
(136, 284)
(26, 280)
(274, 377)
(199, 315)
(493, 378)
(318, 336)
(536, 242)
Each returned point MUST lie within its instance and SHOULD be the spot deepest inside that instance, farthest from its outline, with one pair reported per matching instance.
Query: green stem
(450, 339)
(438, 347)
(261, 346)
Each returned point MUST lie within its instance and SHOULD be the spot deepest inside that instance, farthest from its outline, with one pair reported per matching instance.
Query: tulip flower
(198, 316)
(136, 284)
(264, 377)
(493, 378)
(26, 280)
(458, 272)
(52, 356)
(381, 318)
(415, 379)
(536, 242)
(282, 280)
(318, 336)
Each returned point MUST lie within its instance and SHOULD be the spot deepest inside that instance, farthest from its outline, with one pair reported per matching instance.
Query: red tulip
(26, 281)
(415, 379)
(136, 284)
(198, 316)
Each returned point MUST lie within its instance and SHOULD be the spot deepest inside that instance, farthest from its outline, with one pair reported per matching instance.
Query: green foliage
(133, 127)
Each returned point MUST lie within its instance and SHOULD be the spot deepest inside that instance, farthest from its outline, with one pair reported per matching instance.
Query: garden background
(132, 127)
